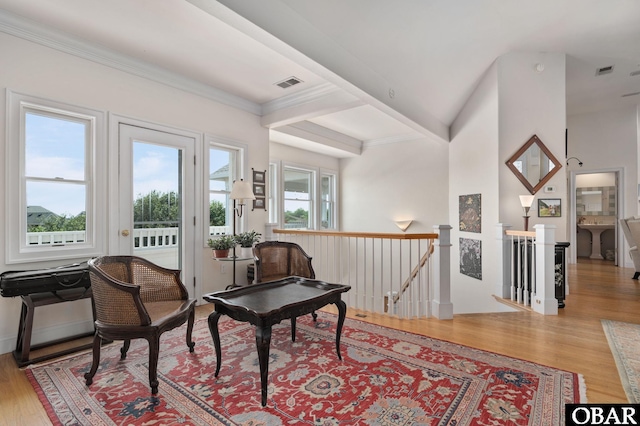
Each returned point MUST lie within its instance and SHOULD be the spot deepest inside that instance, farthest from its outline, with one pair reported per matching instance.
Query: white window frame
(313, 214)
(273, 189)
(333, 202)
(240, 171)
(17, 250)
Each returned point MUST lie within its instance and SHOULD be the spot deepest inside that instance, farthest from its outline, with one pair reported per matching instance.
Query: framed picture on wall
(258, 190)
(549, 207)
(258, 203)
(258, 176)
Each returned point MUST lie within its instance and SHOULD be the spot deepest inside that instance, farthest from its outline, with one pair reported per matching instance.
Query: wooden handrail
(521, 233)
(391, 236)
(425, 257)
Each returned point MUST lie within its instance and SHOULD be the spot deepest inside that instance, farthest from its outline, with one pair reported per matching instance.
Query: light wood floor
(573, 340)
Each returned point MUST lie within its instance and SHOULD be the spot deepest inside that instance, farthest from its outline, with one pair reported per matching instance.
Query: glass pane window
(298, 204)
(223, 169)
(56, 184)
(327, 202)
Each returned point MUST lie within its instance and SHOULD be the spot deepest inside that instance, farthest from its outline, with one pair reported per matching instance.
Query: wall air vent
(604, 70)
(631, 94)
(291, 81)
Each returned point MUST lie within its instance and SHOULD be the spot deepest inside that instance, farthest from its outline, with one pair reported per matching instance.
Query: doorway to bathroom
(594, 221)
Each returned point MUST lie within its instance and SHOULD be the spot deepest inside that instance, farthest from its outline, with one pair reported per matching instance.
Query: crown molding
(28, 30)
(299, 98)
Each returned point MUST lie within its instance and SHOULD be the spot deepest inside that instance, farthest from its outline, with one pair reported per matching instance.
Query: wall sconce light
(526, 201)
(403, 224)
(574, 158)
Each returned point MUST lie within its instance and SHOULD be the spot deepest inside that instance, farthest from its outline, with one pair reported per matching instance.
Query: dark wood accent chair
(278, 259)
(135, 299)
(275, 260)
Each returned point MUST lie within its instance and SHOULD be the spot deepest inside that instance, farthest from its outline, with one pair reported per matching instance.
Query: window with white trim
(53, 178)
(225, 165)
(272, 192)
(298, 200)
(328, 200)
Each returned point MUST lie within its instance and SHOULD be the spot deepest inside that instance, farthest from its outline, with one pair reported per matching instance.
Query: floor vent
(291, 81)
(604, 70)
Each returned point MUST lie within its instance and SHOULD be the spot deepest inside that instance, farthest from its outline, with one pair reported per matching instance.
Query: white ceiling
(373, 71)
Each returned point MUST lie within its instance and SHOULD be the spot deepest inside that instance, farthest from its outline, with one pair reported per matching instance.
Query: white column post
(544, 301)
(505, 247)
(268, 231)
(442, 308)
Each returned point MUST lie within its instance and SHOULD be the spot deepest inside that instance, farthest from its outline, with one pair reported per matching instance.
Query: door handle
(125, 233)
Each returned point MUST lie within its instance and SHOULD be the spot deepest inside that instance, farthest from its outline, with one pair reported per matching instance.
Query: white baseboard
(47, 334)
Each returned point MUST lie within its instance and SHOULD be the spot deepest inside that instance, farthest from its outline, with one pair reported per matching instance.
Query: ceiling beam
(323, 136)
(306, 105)
(278, 27)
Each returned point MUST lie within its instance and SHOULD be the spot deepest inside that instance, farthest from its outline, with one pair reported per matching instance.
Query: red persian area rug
(386, 377)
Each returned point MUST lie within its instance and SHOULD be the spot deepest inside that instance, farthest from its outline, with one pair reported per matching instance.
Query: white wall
(609, 140)
(473, 169)
(41, 71)
(531, 103)
(399, 181)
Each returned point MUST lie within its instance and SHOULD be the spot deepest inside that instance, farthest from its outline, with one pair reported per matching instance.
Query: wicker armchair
(134, 299)
(277, 259)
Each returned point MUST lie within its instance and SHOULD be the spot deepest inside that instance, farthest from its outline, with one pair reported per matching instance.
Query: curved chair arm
(116, 302)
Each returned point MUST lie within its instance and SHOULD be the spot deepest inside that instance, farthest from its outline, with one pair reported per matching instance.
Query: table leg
(213, 329)
(263, 341)
(293, 329)
(342, 313)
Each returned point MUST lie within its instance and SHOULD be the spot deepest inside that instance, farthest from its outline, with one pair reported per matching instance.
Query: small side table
(233, 259)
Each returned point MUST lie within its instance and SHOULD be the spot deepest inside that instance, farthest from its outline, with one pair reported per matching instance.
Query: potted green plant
(246, 240)
(221, 245)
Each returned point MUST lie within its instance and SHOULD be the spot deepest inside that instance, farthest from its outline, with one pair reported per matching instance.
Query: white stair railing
(387, 272)
(528, 268)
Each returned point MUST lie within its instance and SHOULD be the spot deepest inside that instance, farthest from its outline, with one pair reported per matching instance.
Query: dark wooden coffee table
(266, 304)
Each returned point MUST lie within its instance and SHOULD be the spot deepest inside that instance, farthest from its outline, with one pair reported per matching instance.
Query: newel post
(503, 285)
(544, 301)
(268, 231)
(441, 306)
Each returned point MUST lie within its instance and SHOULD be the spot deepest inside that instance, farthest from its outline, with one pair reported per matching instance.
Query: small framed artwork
(470, 209)
(549, 207)
(258, 203)
(258, 176)
(258, 190)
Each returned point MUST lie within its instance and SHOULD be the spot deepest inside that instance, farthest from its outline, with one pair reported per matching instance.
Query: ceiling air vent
(604, 70)
(291, 81)
(634, 73)
(631, 94)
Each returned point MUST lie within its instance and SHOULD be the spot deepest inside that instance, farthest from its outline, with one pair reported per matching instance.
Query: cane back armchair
(134, 299)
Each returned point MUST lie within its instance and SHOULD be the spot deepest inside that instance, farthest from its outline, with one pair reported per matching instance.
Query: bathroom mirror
(533, 164)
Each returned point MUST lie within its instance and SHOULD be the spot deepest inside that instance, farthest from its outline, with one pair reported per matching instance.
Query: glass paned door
(156, 188)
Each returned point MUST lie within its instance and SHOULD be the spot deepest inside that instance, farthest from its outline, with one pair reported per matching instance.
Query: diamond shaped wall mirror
(533, 164)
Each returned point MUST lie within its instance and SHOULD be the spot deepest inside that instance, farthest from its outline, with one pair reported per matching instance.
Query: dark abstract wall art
(470, 212)
(471, 257)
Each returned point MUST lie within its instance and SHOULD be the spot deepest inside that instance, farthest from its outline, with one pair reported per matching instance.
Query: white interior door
(156, 212)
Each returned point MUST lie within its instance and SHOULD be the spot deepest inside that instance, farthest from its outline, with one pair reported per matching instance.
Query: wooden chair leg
(154, 348)
(190, 342)
(124, 349)
(97, 341)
